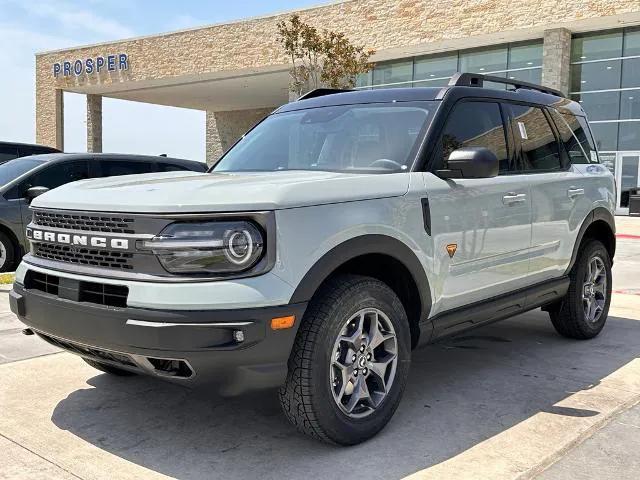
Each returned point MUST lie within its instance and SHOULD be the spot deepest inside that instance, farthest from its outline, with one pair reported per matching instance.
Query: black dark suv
(11, 150)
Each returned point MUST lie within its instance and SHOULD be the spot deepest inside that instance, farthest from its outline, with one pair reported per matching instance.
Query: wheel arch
(380, 256)
(600, 224)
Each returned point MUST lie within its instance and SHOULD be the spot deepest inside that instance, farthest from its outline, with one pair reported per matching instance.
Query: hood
(223, 192)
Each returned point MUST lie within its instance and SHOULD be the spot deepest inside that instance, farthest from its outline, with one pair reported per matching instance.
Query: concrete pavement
(504, 401)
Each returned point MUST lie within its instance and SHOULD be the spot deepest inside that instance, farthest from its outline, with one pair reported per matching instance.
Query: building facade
(237, 72)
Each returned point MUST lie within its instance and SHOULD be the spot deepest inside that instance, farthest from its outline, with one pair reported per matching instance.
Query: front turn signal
(280, 323)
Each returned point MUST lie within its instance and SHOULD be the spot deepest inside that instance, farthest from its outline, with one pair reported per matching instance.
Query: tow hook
(27, 331)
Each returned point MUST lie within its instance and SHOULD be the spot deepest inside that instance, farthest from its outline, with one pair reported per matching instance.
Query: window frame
(565, 164)
(27, 182)
(436, 161)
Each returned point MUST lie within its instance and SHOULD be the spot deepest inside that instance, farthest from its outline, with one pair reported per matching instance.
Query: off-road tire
(306, 397)
(568, 317)
(10, 253)
(110, 369)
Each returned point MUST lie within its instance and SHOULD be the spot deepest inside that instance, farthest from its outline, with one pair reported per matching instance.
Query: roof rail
(476, 80)
(321, 92)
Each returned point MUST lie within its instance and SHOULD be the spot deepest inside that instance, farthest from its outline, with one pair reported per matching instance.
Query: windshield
(14, 168)
(379, 138)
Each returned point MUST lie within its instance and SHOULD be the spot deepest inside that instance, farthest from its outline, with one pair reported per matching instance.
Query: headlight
(207, 247)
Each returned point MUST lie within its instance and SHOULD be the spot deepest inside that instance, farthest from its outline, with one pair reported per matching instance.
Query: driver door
(481, 227)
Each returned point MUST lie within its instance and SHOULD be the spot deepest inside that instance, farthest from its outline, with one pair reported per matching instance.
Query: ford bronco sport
(341, 232)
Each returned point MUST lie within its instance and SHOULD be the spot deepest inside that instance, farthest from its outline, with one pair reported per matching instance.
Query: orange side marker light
(280, 323)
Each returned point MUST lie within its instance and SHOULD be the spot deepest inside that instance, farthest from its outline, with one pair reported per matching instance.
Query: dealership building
(237, 72)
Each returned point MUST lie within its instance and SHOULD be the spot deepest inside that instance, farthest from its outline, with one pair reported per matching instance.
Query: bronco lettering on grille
(74, 239)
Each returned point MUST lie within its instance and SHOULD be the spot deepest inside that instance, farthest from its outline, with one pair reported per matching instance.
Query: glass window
(631, 42)
(14, 168)
(609, 161)
(351, 138)
(428, 68)
(52, 176)
(8, 153)
(539, 144)
(606, 135)
(364, 79)
(629, 136)
(523, 56)
(631, 72)
(475, 124)
(483, 61)
(596, 47)
(628, 178)
(576, 141)
(393, 73)
(170, 167)
(113, 168)
(630, 106)
(532, 76)
(599, 106)
(596, 76)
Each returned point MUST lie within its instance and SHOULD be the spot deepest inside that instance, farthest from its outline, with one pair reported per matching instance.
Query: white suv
(337, 235)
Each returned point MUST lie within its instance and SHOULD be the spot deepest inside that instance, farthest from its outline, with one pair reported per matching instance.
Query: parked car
(22, 179)
(11, 150)
(337, 235)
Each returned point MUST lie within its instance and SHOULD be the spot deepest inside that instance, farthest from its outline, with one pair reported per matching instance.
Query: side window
(58, 174)
(112, 168)
(539, 145)
(51, 176)
(475, 124)
(576, 140)
(8, 153)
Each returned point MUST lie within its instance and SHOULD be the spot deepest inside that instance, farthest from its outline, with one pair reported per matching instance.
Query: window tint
(170, 167)
(476, 124)
(14, 168)
(51, 177)
(539, 144)
(112, 168)
(575, 137)
(8, 153)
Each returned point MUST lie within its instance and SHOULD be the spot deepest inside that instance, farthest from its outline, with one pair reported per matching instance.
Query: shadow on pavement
(460, 393)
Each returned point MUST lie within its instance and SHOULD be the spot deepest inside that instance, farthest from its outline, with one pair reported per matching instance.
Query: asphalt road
(503, 401)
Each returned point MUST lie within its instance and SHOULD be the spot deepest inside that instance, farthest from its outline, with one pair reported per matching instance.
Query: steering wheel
(387, 163)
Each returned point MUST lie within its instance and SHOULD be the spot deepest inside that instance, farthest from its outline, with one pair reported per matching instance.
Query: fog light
(238, 336)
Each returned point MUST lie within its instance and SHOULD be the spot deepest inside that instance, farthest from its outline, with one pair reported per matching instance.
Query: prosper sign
(110, 63)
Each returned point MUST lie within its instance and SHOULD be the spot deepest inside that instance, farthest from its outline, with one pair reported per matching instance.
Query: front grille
(70, 289)
(83, 256)
(92, 223)
(104, 294)
(92, 352)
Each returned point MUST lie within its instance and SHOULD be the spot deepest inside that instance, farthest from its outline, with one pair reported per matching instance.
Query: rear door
(486, 220)
(559, 203)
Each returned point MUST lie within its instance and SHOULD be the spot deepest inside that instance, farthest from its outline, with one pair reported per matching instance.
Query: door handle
(512, 198)
(574, 192)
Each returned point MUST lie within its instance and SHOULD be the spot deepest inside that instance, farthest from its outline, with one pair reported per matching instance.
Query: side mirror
(471, 162)
(33, 192)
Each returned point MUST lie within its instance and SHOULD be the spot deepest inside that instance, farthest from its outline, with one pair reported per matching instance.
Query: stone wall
(244, 45)
(224, 128)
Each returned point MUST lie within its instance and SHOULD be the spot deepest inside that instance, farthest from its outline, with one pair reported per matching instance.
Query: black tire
(9, 257)
(307, 397)
(569, 317)
(110, 369)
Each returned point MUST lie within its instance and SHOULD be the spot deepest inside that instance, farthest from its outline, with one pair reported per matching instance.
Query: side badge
(451, 249)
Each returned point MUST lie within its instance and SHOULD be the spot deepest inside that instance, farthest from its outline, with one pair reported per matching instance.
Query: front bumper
(191, 346)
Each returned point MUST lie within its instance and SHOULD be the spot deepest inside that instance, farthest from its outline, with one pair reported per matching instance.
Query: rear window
(113, 168)
(576, 137)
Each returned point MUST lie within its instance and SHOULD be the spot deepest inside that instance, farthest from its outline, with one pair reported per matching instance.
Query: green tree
(320, 58)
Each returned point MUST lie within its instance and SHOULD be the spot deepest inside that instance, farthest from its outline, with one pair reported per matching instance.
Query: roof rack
(477, 80)
(320, 92)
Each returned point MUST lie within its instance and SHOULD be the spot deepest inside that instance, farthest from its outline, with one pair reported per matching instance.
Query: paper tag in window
(523, 131)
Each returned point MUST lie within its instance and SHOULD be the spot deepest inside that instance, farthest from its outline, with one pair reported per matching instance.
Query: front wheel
(582, 313)
(350, 361)
(7, 253)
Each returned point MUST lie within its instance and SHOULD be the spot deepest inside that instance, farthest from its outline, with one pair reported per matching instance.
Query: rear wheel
(583, 312)
(350, 361)
(7, 253)
(110, 369)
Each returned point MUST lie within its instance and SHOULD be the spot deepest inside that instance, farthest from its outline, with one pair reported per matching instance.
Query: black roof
(51, 157)
(30, 145)
(523, 92)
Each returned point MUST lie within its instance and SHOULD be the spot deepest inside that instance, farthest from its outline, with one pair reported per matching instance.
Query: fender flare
(597, 214)
(356, 247)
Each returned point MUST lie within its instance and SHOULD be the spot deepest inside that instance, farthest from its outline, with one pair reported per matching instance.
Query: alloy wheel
(594, 289)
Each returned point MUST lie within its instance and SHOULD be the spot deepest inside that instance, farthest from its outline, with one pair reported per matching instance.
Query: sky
(30, 26)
